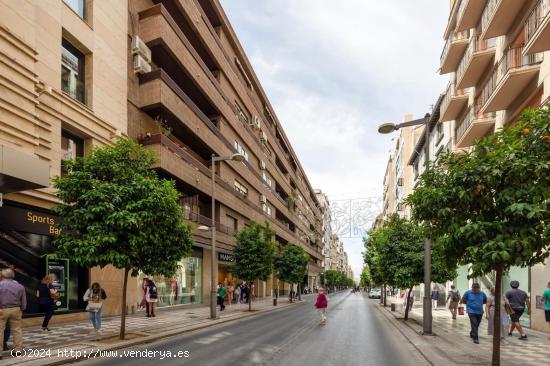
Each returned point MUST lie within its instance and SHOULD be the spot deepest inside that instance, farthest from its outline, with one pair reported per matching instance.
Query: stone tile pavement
(452, 338)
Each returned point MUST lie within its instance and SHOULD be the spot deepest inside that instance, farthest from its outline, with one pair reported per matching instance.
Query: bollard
(393, 307)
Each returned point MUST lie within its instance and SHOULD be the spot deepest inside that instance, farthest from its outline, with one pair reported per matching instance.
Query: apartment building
(326, 227)
(192, 93)
(63, 73)
(496, 54)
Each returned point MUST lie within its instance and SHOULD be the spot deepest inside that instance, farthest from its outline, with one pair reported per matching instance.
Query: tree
(254, 253)
(117, 211)
(290, 265)
(365, 279)
(488, 207)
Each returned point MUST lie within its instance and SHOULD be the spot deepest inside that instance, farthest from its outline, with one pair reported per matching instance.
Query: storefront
(225, 262)
(185, 287)
(26, 235)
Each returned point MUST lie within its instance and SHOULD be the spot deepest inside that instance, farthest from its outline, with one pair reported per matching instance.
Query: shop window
(72, 71)
(72, 147)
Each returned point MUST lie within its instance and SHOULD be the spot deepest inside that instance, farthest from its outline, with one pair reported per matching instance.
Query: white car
(375, 293)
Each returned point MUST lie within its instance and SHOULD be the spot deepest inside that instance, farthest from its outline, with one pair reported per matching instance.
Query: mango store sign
(27, 220)
(225, 257)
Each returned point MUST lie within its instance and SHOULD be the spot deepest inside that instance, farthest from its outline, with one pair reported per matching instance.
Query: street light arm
(415, 122)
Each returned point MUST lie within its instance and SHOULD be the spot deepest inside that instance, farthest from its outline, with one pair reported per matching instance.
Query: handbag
(508, 309)
(93, 307)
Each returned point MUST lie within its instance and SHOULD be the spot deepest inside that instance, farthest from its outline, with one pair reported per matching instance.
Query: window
(267, 179)
(240, 149)
(79, 6)
(240, 114)
(241, 188)
(72, 72)
(71, 148)
(232, 222)
(267, 210)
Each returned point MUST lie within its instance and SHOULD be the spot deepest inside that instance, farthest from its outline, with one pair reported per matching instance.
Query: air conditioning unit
(256, 122)
(263, 199)
(400, 182)
(140, 48)
(263, 136)
(262, 165)
(141, 65)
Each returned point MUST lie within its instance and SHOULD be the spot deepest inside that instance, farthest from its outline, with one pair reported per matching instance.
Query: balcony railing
(207, 221)
(536, 18)
(476, 45)
(450, 94)
(76, 89)
(488, 13)
(472, 115)
(461, 9)
(455, 36)
(512, 59)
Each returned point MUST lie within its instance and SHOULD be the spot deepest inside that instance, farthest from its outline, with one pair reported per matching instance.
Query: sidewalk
(79, 336)
(452, 345)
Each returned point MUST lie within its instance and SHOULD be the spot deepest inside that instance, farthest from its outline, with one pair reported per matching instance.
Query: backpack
(153, 292)
(455, 296)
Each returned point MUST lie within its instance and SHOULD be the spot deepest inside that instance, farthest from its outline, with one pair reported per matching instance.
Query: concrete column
(206, 277)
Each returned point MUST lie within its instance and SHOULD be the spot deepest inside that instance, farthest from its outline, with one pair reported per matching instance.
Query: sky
(333, 71)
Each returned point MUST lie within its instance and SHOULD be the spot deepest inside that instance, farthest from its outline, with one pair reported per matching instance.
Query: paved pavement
(452, 343)
(355, 334)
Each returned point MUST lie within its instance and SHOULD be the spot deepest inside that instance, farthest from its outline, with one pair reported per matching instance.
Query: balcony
(537, 29)
(473, 126)
(512, 75)
(469, 14)
(499, 15)
(452, 52)
(453, 103)
(478, 56)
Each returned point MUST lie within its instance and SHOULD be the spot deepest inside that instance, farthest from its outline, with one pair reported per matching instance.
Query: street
(355, 334)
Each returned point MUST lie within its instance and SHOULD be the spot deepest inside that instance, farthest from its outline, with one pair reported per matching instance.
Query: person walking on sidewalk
(518, 300)
(546, 299)
(453, 298)
(13, 301)
(151, 298)
(474, 300)
(435, 297)
(221, 295)
(46, 295)
(95, 296)
(230, 292)
(7, 331)
(321, 304)
(490, 314)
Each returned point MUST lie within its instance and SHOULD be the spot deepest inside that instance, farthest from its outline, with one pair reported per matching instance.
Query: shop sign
(540, 303)
(225, 257)
(29, 221)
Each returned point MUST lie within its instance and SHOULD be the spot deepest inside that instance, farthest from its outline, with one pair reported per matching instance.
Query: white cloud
(334, 70)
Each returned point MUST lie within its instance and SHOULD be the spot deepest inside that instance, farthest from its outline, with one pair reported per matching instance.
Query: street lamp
(386, 128)
(213, 264)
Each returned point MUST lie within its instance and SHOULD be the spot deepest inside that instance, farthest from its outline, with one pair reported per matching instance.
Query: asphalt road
(355, 334)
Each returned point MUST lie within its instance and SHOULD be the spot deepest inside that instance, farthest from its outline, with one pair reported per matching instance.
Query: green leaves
(491, 203)
(254, 252)
(117, 211)
(290, 265)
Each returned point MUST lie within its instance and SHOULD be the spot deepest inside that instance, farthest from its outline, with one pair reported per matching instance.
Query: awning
(20, 171)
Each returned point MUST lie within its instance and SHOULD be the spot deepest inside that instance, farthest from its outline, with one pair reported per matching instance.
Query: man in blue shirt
(474, 300)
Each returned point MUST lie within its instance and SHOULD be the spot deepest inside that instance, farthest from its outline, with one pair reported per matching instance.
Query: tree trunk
(123, 306)
(299, 292)
(407, 303)
(498, 301)
(250, 300)
(385, 303)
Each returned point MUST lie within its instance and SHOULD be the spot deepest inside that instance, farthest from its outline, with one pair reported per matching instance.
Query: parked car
(375, 293)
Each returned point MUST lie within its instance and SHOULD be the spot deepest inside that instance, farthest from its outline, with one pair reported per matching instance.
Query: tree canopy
(116, 210)
(290, 265)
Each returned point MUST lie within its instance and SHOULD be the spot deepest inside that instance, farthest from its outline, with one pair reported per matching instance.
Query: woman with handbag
(46, 296)
(95, 296)
(490, 314)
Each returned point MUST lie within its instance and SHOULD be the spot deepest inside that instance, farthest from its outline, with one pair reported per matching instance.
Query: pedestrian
(221, 295)
(46, 296)
(546, 298)
(7, 331)
(490, 314)
(252, 291)
(230, 292)
(151, 298)
(518, 300)
(453, 298)
(435, 297)
(474, 300)
(247, 292)
(13, 301)
(238, 294)
(321, 304)
(95, 296)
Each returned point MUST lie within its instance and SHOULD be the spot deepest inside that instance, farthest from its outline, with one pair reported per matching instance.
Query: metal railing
(204, 220)
(537, 16)
(455, 36)
(75, 88)
(512, 59)
(449, 94)
(488, 13)
(473, 114)
(477, 44)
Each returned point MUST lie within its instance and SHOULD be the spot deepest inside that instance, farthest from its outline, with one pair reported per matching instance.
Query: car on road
(375, 293)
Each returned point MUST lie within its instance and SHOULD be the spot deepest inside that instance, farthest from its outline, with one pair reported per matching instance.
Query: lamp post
(213, 264)
(426, 301)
